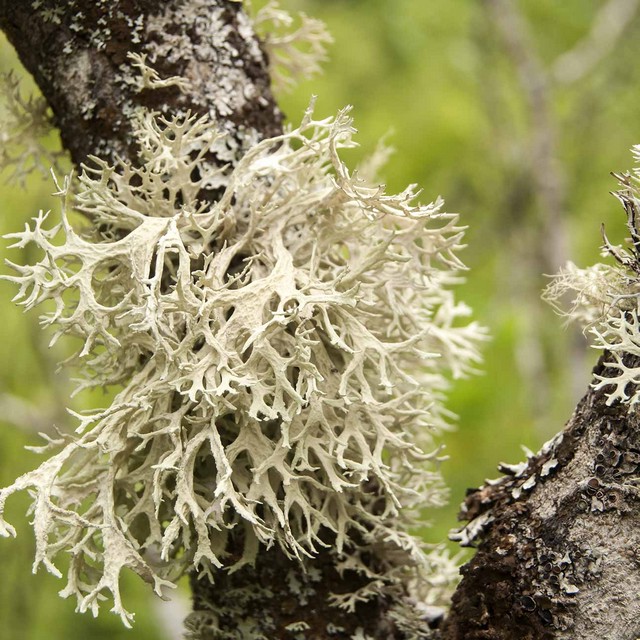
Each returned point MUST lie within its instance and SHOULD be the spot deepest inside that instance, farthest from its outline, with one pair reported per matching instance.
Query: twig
(26, 416)
(607, 28)
(546, 170)
(549, 248)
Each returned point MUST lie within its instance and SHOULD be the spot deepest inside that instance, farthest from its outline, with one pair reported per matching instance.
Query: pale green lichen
(148, 77)
(606, 300)
(296, 48)
(591, 291)
(281, 357)
(24, 122)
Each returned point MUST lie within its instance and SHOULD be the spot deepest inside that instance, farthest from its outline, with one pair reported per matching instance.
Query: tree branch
(78, 57)
(607, 28)
(557, 536)
(546, 239)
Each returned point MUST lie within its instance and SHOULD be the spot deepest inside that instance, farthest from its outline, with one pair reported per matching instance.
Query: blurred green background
(515, 112)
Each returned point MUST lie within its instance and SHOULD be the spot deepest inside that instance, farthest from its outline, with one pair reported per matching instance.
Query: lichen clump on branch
(281, 354)
(606, 300)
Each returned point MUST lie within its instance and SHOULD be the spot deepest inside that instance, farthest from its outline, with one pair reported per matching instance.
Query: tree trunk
(77, 52)
(78, 55)
(558, 545)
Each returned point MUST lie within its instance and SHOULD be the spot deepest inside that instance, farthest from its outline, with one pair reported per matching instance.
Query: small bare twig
(551, 242)
(546, 170)
(607, 28)
(25, 415)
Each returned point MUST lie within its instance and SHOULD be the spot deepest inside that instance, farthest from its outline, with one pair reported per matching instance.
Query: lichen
(24, 122)
(607, 299)
(296, 51)
(148, 77)
(280, 355)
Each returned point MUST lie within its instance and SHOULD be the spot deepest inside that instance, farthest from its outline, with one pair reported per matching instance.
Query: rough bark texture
(558, 543)
(276, 600)
(77, 53)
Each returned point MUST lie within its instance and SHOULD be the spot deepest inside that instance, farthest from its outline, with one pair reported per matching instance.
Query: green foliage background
(434, 78)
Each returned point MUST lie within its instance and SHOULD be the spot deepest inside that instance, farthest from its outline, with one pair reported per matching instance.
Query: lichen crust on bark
(262, 310)
(78, 54)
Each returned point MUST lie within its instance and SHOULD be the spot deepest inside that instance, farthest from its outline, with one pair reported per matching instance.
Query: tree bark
(273, 597)
(77, 53)
(558, 544)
